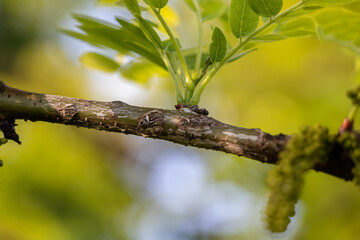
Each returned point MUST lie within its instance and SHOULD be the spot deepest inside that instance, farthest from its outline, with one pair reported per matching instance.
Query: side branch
(179, 126)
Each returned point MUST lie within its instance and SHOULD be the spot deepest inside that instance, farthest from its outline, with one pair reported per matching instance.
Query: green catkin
(285, 181)
(350, 142)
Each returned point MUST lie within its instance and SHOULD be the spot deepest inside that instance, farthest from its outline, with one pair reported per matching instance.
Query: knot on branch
(195, 126)
(8, 128)
(67, 112)
(151, 123)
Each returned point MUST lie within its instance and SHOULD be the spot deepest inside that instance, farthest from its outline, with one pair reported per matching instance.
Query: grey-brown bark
(179, 126)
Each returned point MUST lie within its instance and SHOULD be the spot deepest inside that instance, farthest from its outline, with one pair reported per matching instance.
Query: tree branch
(179, 126)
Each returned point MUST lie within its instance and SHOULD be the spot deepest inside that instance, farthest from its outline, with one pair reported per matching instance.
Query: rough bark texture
(179, 126)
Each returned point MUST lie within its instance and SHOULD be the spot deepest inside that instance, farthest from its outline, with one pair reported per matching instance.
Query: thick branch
(179, 126)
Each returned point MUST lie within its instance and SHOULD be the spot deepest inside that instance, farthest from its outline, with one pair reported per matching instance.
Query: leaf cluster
(147, 39)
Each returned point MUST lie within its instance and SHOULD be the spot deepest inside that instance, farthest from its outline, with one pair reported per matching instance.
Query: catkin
(285, 181)
(350, 142)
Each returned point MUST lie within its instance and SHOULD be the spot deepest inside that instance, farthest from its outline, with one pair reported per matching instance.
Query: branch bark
(179, 126)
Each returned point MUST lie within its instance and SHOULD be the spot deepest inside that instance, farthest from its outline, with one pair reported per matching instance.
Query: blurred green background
(68, 183)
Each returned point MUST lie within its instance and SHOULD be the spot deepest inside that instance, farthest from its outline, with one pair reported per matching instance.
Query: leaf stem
(173, 76)
(207, 64)
(189, 83)
(202, 84)
(200, 41)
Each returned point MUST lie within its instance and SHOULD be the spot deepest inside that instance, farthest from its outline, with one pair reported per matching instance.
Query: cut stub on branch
(8, 129)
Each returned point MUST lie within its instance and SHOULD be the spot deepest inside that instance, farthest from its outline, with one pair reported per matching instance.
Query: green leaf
(149, 31)
(298, 13)
(266, 8)
(141, 71)
(157, 3)
(126, 39)
(110, 2)
(212, 9)
(218, 46)
(299, 27)
(269, 38)
(119, 3)
(327, 3)
(79, 36)
(91, 22)
(236, 57)
(249, 45)
(99, 62)
(345, 31)
(243, 20)
(132, 6)
(191, 59)
(191, 4)
(169, 46)
(266, 38)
